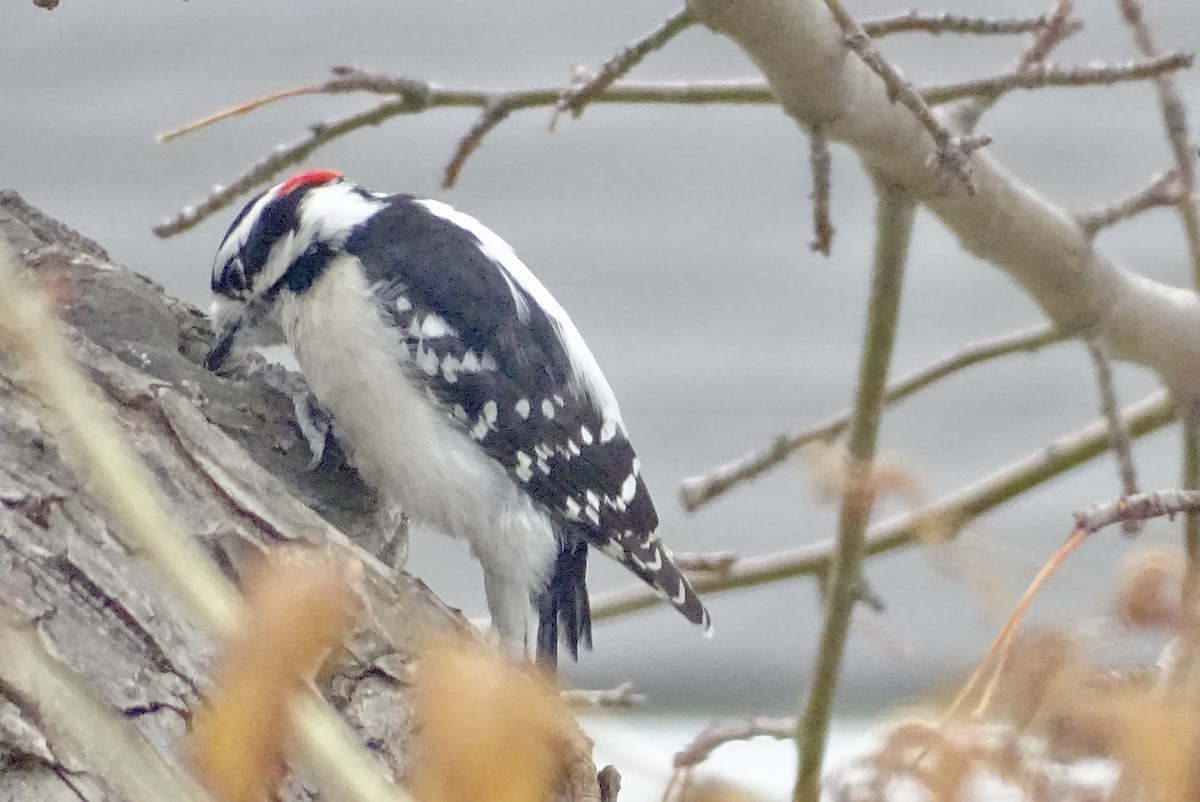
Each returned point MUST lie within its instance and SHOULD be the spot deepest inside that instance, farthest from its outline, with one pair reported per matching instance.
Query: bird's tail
(652, 562)
(564, 603)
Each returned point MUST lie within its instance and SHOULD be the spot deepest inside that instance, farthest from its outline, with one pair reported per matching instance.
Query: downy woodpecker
(461, 389)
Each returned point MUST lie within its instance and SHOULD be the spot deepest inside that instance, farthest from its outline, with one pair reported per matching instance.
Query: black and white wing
(504, 361)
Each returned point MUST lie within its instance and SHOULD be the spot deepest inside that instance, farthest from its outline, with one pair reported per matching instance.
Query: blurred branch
(918, 22)
(716, 561)
(1140, 507)
(700, 748)
(121, 482)
(894, 220)
(696, 491)
(1041, 75)
(1175, 125)
(821, 166)
(621, 696)
(949, 514)
(1165, 189)
(1058, 28)
(577, 97)
(951, 152)
(1116, 427)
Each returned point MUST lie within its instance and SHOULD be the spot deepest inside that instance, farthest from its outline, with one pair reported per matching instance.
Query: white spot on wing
(548, 409)
(628, 488)
(522, 408)
(609, 430)
(490, 412)
(585, 434)
(450, 367)
(470, 362)
(435, 326)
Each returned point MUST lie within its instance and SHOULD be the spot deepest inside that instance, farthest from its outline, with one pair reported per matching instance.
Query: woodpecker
(462, 392)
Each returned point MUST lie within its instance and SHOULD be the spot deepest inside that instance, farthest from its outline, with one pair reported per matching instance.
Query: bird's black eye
(232, 282)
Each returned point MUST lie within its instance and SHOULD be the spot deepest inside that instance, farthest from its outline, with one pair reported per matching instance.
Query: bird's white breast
(399, 439)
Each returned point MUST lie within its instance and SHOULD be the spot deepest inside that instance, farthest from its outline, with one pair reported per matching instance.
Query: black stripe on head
(278, 218)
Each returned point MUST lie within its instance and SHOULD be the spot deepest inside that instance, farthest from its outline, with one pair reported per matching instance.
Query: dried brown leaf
(490, 730)
(298, 608)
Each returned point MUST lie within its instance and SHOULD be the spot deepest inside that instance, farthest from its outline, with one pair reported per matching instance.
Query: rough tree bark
(229, 456)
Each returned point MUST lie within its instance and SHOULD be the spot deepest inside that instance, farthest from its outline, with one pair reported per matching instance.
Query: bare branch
(715, 562)
(577, 97)
(280, 159)
(1116, 428)
(894, 220)
(699, 490)
(1058, 27)
(1140, 507)
(1165, 189)
(621, 696)
(417, 97)
(821, 166)
(1042, 75)
(494, 113)
(716, 735)
(952, 153)
(918, 22)
(945, 516)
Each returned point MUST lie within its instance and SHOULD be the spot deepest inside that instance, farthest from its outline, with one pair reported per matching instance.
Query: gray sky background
(677, 238)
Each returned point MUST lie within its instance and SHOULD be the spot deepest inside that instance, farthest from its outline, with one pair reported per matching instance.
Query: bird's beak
(231, 319)
(223, 346)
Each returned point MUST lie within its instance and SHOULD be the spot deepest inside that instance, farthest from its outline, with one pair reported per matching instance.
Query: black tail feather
(564, 603)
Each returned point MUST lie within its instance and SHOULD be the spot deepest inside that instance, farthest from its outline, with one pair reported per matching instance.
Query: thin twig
(918, 22)
(577, 97)
(700, 748)
(1165, 189)
(1175, 125)
(1057, 28)
(493, 114)
(696, 491)
(714, 562)
(1121, 448)
(621, 696)
(821, 166)
(998, 653)
(1140, 507)
(948, 515)
(952, 153)
(893, 234)
(1191, 518)
(1042, 75)
(418, 96)
(412, 102)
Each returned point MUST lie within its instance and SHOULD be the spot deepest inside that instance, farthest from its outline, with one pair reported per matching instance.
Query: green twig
(697, 491)
(948, 515)
(893, 234)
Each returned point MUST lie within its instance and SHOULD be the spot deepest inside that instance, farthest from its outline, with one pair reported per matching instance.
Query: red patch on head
(308, 178)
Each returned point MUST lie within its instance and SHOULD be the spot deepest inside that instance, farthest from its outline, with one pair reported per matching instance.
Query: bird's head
(278, 241)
